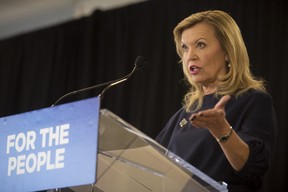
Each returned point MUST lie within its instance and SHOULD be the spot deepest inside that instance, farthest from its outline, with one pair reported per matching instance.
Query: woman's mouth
(194, 70)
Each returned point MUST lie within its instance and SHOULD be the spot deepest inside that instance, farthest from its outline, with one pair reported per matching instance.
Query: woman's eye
(200, 45)
(184, 47)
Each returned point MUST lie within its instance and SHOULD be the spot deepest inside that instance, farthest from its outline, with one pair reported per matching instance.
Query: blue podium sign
(50, 148)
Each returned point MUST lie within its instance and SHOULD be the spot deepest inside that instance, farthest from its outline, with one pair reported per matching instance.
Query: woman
(227, 126)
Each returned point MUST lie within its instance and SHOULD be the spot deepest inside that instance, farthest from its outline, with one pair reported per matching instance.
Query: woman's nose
(191, 55)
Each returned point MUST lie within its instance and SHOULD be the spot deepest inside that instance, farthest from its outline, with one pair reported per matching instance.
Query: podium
(130, 161)
(77, 147)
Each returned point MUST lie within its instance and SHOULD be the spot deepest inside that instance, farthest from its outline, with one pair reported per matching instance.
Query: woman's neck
(209, 89)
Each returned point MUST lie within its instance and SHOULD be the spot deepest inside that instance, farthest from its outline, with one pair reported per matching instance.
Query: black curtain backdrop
(38, 67)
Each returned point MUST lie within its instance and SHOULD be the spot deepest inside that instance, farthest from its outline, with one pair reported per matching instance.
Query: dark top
(252, 117)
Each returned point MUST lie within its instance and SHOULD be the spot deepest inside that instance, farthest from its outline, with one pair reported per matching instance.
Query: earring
(227, 61)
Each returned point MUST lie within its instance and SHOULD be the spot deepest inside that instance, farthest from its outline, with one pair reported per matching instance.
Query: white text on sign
(46, 159)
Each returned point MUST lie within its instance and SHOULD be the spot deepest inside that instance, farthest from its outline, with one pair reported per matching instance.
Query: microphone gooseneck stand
(139, 62)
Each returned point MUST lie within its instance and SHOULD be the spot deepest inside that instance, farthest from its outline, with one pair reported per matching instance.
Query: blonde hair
(239, 78)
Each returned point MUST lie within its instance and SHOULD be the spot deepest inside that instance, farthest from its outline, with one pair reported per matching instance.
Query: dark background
(38, 67)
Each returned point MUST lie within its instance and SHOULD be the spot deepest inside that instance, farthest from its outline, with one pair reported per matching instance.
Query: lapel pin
(183, 122)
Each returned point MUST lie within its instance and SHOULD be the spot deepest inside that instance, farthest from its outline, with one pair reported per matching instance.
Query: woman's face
(203, 56)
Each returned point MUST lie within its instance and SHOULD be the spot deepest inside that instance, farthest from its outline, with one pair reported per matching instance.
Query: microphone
(139, 63)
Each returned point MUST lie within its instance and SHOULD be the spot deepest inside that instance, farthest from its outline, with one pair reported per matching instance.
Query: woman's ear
(226, 58)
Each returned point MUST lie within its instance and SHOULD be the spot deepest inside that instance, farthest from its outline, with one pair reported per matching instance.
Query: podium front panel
(49, 148)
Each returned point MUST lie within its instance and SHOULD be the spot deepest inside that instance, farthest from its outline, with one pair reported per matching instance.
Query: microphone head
(140, 62)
